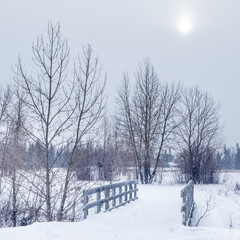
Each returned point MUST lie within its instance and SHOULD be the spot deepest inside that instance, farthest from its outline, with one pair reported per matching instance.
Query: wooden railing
(187, 195)
(111, 195)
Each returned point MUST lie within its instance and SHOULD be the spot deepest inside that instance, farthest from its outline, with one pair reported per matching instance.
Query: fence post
(130, 188)
(114, 200)
(183, 193)
(126, 195)
(85, 201)
(120, 198)
(135, 188)
(98, 198)
(187, 203)
(106, 196)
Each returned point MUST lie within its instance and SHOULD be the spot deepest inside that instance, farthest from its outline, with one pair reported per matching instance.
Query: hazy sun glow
(185, 25)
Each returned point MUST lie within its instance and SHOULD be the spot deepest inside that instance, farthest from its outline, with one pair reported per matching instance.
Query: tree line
(55, 131)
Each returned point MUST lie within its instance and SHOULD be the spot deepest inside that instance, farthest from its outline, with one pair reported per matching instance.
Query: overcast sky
(125, 32)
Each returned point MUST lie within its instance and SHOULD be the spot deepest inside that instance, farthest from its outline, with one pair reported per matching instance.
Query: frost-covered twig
(210, 205)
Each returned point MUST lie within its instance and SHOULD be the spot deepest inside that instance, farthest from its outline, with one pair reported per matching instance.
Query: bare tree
(90, 104)
(147, 118)
(124, 119)
(47, 98)
(170, 97)
(16, 155)
(198, 135)
(5, 135)
(13, 144)
(62, 113)
(5, 100)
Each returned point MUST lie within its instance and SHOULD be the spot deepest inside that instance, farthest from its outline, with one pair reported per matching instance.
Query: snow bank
(155, 215)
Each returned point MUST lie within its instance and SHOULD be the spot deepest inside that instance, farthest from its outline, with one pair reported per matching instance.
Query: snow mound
(155, 215)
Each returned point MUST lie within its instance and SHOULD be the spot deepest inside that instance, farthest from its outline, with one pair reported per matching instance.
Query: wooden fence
(112, 196)
(187, 195)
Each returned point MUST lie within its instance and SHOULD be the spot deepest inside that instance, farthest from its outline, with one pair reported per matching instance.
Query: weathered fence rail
(187, 195)
(116, 195)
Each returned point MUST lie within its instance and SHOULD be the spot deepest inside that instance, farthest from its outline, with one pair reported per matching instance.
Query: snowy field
(155, 215)
(225, 203)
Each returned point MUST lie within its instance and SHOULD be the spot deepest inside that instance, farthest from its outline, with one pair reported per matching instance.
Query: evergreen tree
(237, 157)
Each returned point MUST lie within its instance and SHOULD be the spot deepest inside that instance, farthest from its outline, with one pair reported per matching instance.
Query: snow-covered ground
(155, 215)
(225, 202)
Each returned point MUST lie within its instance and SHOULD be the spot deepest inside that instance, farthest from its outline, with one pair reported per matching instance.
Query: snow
(155, 215)
(226, 201)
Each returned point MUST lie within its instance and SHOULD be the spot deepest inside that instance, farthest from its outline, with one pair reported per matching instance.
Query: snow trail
(155, 215)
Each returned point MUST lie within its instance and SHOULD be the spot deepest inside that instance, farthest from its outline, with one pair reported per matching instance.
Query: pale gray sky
(124, 32)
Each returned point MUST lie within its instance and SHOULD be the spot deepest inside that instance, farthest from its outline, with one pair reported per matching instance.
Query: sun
(185, 25)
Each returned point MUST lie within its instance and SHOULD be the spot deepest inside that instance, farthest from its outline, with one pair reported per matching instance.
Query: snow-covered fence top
(112, 192)
(187, 195)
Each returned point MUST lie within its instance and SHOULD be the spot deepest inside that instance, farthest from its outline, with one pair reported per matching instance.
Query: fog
(124, 33)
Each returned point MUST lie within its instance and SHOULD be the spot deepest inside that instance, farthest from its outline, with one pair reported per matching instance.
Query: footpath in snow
(155, 215)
